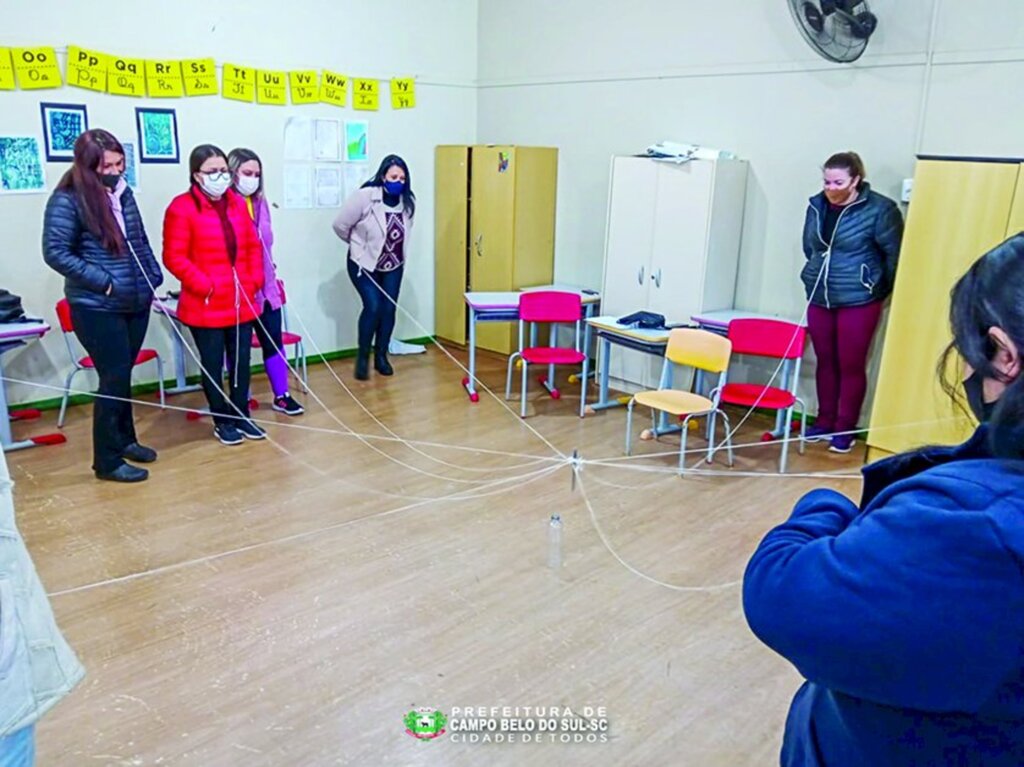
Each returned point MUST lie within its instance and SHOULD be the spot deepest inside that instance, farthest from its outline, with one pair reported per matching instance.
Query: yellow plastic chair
(703, 351)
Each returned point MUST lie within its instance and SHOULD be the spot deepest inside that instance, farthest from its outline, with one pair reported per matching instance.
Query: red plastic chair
(777, 340)
(86, 363)
(545, 306)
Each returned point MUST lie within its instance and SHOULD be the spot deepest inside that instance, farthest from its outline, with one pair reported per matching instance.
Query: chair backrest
(767, 338)
(699, 349)
(549, 306)
(64, 316)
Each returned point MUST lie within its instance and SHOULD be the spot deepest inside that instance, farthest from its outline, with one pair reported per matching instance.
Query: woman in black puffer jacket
(852, 243)
(93, 235)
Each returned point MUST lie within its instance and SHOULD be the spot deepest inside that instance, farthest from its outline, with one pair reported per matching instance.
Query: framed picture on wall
(62, 124)
(158, 135)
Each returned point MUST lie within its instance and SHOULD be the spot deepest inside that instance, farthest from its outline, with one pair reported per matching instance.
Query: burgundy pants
(841, 338)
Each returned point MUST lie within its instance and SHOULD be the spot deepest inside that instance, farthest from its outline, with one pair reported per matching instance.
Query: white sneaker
(401, 347)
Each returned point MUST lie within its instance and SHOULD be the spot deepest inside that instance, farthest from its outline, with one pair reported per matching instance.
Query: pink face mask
(839, 187)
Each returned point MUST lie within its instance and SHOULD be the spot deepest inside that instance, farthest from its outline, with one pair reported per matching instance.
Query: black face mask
(974, 388)
(110, 180)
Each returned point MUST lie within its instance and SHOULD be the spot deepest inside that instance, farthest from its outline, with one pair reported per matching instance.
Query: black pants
(379, 291)
(113, 340)
(213, 344)
(268, 331)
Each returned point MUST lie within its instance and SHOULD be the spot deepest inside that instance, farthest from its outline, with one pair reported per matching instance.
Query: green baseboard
(53, 403)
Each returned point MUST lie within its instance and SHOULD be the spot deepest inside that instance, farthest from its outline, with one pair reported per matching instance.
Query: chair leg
(728, 435)
(508, 374)
(160, 381)
(803, 425)
(682, 445)
(629, 426)
(522, 402)
(305, 367)
(64, 399)
(785, 440)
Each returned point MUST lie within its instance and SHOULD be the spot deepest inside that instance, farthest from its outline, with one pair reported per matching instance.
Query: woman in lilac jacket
(247, 172)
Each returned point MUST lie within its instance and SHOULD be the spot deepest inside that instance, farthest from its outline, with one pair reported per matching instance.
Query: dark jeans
(841, 338)
(113, 340)
(379, 291)
(268, 331)
(213, 344)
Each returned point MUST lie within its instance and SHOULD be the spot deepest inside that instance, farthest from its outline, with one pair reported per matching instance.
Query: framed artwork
(356, 139)
(158, 136)
(131, 173)
(21, 165)
(62, 124)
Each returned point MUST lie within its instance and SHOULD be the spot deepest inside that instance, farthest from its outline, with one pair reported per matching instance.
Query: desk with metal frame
(14, 335)
(503, 306)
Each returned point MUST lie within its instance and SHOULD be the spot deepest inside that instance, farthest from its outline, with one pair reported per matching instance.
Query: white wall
(597, 78)
(398, 38)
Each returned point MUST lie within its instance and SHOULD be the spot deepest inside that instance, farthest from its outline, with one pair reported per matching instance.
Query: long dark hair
(238, 157)
(199, 155)
(84, 180)
(408, 198)
(990, 294)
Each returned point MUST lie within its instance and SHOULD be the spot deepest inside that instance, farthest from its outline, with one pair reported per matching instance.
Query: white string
(464, 369)
(558, 462)
(454, 497)
(203, 371)
(345, 426)
(379, 422)
(777, 441)
(650, 579)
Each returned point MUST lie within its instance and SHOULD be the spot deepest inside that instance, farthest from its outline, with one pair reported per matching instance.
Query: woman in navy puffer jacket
(93, 235)
(906, 613)
(852, 243)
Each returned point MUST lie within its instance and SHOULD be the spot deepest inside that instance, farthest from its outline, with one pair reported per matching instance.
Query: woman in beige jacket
(376, 221)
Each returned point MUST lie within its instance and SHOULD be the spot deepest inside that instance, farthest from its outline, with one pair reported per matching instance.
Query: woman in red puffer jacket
(210, 245)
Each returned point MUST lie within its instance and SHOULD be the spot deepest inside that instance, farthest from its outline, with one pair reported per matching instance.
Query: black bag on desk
(10, 307)
(644, 320)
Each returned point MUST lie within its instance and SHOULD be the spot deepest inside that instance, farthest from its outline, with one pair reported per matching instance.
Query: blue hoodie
(906, 616)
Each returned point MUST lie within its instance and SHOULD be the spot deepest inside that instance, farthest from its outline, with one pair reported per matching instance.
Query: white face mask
(215, 185)
(248, 185)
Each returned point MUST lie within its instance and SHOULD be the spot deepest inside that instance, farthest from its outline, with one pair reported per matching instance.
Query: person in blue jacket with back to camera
(905, 614)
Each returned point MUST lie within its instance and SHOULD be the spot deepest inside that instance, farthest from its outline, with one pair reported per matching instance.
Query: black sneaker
(227, 434)
(124, 473)
(139, 453)
(382, 366)
(249, 430)
(285, 404)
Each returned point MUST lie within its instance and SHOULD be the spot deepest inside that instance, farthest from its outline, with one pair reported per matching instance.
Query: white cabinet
(672, 246)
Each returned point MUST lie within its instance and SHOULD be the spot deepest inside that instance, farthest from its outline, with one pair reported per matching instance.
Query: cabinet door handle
(479, 245)
(640, 276)
(657, 278)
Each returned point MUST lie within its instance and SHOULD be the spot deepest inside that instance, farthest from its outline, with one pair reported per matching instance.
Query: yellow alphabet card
(334, 88)
(271, 87)
(305, 86)
(403, 93)
(126, 77)
(200, 76)
(163, 79)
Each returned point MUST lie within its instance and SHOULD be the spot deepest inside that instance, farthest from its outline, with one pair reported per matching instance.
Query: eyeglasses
(217, 175)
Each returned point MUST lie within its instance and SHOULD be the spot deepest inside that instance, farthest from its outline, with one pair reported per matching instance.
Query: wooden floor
(288, 603)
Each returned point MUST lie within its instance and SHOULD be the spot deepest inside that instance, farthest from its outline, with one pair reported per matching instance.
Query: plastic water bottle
(555, 542)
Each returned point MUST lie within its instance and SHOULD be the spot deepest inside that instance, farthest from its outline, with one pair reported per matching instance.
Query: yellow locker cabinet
(494, 231)
(960, 209)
